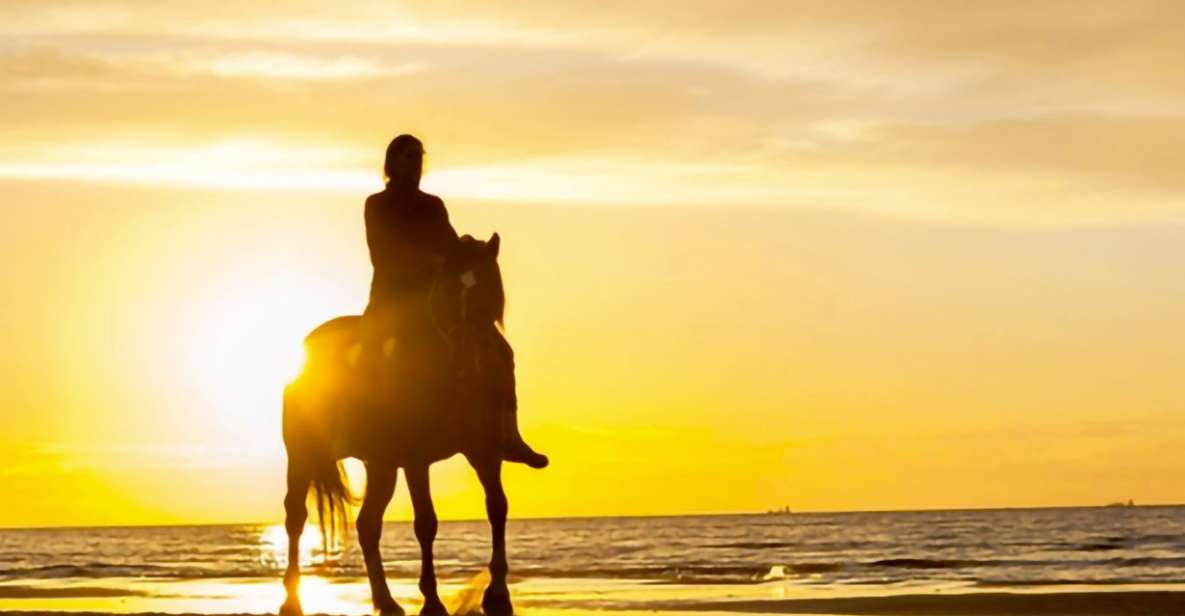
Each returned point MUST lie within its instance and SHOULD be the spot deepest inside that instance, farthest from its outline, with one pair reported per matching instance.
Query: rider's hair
(397, 145)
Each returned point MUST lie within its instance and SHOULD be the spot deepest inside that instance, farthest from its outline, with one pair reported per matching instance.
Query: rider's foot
(519, 451)
(514, 448)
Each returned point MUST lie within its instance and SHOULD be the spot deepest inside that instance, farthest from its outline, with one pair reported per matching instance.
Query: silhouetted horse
(427, 400)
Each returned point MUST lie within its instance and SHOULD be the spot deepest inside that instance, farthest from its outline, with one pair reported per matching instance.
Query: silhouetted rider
(409, 236)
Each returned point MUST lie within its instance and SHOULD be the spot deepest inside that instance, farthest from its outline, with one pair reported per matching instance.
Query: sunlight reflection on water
(317, 594)
(273, 546)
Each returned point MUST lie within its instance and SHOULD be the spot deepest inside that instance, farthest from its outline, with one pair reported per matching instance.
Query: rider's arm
(380, 249)
(443, 238)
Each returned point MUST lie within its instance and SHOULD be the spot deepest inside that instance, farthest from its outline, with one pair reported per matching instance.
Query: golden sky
(835, 255)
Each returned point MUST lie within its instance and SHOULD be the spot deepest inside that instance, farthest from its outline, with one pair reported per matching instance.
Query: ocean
(711, 556)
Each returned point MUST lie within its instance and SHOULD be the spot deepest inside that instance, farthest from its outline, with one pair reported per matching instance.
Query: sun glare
(247, 344)
(317, 594)
(273, 545)
(229, 164)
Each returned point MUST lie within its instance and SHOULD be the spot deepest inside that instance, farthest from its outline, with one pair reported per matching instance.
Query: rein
(445, 334)
(457, 345)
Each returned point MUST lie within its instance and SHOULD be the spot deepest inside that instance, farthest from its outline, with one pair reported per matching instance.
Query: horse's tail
(307, 437)
(332, 497)
(311, 425)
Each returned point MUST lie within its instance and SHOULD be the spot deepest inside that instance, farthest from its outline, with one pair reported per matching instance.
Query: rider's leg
(514, 448)
(376, 342)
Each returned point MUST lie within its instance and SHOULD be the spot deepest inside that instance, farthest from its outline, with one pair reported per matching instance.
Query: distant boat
(1117, 505)
(783, 511)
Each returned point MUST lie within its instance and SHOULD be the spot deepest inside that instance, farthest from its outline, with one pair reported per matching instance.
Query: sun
(247, 343)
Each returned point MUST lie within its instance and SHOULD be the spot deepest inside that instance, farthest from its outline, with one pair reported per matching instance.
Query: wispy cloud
(289, 66)
(1008, 112)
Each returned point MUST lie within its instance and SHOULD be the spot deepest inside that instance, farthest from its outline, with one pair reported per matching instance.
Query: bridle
(457, 337)
(445, 334)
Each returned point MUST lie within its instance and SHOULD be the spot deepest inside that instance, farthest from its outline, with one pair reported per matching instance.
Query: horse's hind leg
(295, 514)
(425, 525)
(496, 601)
(380, 487)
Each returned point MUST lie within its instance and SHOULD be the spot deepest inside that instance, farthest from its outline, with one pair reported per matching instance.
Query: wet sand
(225, 597)
(974, 604)
(1143, 603)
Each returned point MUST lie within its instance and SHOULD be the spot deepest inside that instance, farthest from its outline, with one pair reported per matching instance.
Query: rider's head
(404, 162)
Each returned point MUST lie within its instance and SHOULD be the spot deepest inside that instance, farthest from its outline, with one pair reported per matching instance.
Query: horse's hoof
(496, 602)
(291, 607)
(433, 607)
(388, 608)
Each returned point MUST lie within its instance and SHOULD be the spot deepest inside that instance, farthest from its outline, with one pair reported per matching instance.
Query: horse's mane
(477, 252)
(499, 296)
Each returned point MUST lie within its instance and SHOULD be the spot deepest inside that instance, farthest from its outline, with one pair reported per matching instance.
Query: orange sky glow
(830, 255)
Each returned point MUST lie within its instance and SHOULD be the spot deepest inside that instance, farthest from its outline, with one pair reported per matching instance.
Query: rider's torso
(408, 232)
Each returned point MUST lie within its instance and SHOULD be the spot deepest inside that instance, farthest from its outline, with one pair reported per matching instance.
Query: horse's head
(478, 281)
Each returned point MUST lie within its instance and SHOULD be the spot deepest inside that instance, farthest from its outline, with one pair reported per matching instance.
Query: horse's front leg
(425, 525)
(496, 601)
(380, 487)
(296, 513)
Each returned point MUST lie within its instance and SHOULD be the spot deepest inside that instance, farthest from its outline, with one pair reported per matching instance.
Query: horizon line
(811, 512)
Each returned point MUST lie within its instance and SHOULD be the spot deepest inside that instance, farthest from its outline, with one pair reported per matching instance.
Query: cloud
(287, 66)
(1006, 111)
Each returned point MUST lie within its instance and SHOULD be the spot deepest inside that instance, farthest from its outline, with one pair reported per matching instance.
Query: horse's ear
(493, 244)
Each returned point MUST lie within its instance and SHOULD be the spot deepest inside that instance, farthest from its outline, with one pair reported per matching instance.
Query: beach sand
(579, 597)
(1093, 603)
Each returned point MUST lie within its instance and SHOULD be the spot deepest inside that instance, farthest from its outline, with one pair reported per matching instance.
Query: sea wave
(1096, 546)
(1160, 570)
